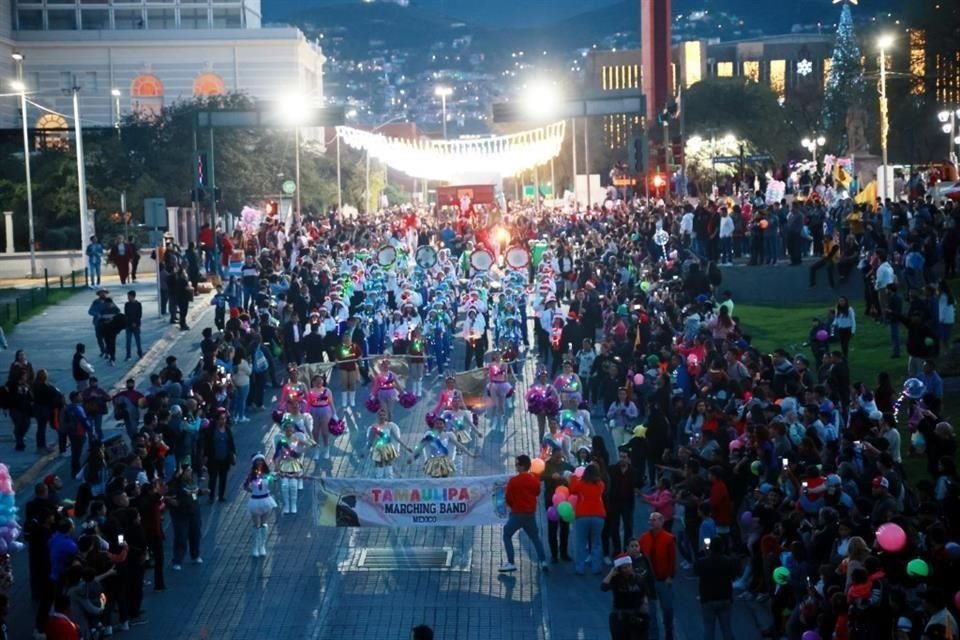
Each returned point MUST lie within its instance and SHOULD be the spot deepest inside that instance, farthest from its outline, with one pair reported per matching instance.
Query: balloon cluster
(9, 528)
(407, 399)
(564, 503)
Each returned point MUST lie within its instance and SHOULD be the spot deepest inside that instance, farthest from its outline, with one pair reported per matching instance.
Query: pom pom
(277, 415)
(407, 399)
(372, 404)
(337, 426)
(551, 406)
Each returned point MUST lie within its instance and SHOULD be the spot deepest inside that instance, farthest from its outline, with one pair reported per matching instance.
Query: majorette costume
(288, 455)
(320, 402)
(570, 390)
(260, 504)
(440, 447)
(384, 441)
(498, 388)
(385, 390)
(416, 360)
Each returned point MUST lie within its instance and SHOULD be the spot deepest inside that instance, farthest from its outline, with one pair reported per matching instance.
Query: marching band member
(288, 454)
(322, 411)
(475, 336)
(569, 387)
(292, 386)
(441, 451)
(543, 401)
(498, 388)
(348, 364)
(436, 333)
(416, 361)
(261, 503)
(302, 422)
(386, 387)
(383, 438)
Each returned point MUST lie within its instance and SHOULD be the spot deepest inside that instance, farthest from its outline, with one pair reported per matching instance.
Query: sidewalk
(49, 340)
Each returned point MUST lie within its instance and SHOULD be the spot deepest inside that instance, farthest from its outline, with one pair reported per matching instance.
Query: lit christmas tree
(845, 85)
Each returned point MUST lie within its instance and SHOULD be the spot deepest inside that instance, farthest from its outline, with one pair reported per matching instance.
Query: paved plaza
(309, 586)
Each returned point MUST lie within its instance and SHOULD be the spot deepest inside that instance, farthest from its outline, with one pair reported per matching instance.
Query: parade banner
(411, 502)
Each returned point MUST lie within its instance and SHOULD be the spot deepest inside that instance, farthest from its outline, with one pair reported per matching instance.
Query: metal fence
(16, 304)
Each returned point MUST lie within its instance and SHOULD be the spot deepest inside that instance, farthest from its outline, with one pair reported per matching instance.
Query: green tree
(749, 110)
(845, 85)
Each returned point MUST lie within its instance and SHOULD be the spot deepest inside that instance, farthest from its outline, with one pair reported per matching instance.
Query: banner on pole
(411, 502)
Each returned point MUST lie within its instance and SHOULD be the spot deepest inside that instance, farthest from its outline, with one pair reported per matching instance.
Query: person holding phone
(716, 572)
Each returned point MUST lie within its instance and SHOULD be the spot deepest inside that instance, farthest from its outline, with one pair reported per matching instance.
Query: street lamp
(812, 144)
(116, 107)
(883, 43)
(293, 110)
(949, 126)
(20, 87)
(443, 93)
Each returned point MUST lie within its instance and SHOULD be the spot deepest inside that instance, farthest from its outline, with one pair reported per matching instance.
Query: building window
(66, 81)
(89, 82)
(161, 19)
(95, 19)
(751, 70)
(208, 84)
(778, 77)
(227, 18)
(918, 61)
(691, 64)
(62, 19)
(724, 69)
(620, 77)
(52, 132)
(146, 94)
(30, 19)
(194, 18)
(128, 19)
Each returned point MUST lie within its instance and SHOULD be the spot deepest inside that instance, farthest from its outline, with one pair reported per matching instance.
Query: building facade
(140, 56)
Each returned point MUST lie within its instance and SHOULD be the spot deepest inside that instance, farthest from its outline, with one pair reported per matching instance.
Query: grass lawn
(787, 327)
(54, 297)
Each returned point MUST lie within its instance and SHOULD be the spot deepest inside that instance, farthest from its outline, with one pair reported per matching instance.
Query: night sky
(527, 13)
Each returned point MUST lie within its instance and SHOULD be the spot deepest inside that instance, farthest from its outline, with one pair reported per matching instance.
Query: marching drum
(426, 256)
(482, 260)
(517, 258)
(386, 256)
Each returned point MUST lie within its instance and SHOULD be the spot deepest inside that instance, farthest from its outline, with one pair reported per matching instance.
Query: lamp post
(812, 144)
(116, 109)
(85, 232)
(948, 120)
(443, 92)
(884, 43)
(293, 109)
(19, 86)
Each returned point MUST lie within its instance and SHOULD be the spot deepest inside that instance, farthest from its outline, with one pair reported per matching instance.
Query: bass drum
(517, 258)
(426, 256)
(386, 256)
(481, 260)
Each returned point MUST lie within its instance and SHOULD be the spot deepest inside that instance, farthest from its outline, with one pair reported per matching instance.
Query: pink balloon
(573, 499)
(891, 537)
(557, 499)
(579, 471)
(552, 515)
(638, 379)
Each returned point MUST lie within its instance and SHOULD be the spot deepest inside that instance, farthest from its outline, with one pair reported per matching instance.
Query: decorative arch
(146, 93)
(209, 84)
(52, 132)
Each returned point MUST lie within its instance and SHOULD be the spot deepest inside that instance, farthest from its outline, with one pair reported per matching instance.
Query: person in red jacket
(720, 505)
(660, 548)
(521, 497)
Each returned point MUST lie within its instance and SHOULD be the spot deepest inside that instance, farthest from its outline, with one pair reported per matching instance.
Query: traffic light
(637, 154)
